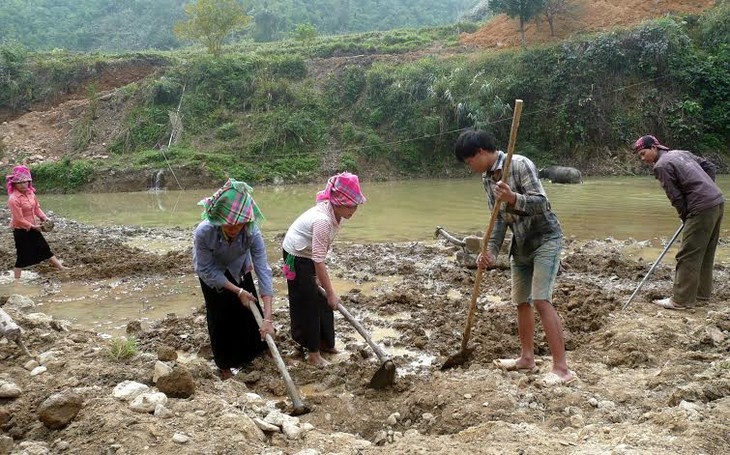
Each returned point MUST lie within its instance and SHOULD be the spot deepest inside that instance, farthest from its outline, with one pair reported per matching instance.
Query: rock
(393, 418)
(4, 417)
(715, 335)
(47, 357)
(161, 369)
(128, 390)
(19, 304)
(166, 353)
(178, 383)
(30, 364)
(33, 448)
(180, 438)
(162, 412)
(147, 402)
(242, 424)
(59, 409)
(38, 370)
(291, 429)
(134, 327)
(9, 390)
(6, 444)
(61, 446)
(266, 426)
(308, 452)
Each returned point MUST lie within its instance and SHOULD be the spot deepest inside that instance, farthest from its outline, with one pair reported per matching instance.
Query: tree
(524, 10)
(306, 33)
(211, 21)
(554, 8)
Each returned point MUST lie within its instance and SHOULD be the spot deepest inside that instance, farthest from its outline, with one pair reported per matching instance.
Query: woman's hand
(267, 328)
(333, 300)
(36, 227)
(245, 297)
(485, 261)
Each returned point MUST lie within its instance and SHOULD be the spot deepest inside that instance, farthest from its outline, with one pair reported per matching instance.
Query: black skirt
(234, 333)
(312, 319)
(31, 248)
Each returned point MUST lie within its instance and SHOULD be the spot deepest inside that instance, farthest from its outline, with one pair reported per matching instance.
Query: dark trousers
(696, 256)
(234, 333)
(312, 319)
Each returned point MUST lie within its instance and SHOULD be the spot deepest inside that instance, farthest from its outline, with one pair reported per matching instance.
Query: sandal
(668, 303)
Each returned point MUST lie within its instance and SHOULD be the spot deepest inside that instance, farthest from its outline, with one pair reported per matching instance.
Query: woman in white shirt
(305, 249)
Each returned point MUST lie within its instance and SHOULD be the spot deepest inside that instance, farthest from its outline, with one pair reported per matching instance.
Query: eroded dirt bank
(651, 380)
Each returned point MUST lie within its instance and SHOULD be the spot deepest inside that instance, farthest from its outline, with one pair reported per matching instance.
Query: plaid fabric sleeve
(531, 198)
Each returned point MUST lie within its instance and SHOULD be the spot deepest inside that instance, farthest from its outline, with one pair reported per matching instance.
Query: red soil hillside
(583, 16)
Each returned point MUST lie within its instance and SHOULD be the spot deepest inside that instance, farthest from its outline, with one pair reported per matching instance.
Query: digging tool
(658, 260)
(463, 355)
(385, 375)
(299, 406)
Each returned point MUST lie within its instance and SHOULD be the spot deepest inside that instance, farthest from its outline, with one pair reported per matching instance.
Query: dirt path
(651, 380)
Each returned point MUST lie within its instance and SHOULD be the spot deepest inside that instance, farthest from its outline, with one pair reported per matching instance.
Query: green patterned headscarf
(231, 204)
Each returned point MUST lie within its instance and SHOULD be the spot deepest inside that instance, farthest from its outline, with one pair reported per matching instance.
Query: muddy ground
(650, 380)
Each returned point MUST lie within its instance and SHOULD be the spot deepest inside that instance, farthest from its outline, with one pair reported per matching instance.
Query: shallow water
(619, 207)
(622, 208)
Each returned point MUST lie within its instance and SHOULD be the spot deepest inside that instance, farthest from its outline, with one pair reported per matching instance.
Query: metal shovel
(385, 376)
(463, 355)
(658, 260)
(299, 406)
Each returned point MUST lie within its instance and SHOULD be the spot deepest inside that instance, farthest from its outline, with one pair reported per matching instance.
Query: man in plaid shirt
(534, 250)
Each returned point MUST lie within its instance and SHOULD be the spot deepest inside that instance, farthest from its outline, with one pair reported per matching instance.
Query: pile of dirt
(582, 16)
(650, 380)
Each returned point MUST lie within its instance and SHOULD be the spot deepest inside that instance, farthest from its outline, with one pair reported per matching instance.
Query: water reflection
(624, 207)
(619, 207)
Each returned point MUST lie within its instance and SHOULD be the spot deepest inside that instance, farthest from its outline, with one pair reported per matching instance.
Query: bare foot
(316, 359)
(225, 373)
(326, 350)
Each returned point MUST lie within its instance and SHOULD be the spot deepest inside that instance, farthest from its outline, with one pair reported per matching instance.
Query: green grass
(122, 348)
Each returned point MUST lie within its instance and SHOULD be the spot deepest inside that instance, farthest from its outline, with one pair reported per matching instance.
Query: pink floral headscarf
(342, 189)
(20, 174)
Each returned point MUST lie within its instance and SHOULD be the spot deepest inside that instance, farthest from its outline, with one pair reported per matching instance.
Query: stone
(134, 327)
(161, 369)
(38, 370)
(243, 424)
(9, 390)
(129, 390)
(162, 412)
(180, 438)
(58, 410)
(179, 383)
(147, 402)
(266, 426)
(166, 353)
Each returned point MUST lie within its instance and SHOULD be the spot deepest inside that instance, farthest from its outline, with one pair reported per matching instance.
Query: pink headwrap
(342, 189)
(20, 174)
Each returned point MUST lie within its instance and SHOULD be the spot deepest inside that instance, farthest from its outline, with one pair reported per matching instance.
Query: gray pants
(696, 256)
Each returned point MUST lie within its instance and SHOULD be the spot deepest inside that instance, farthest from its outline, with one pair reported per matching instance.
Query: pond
(622, 208)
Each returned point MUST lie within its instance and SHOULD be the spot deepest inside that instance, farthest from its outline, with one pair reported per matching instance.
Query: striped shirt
(530, 220)
(311, 235)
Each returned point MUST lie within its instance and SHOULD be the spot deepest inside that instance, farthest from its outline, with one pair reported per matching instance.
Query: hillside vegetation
(112, 25)
(382, 104)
